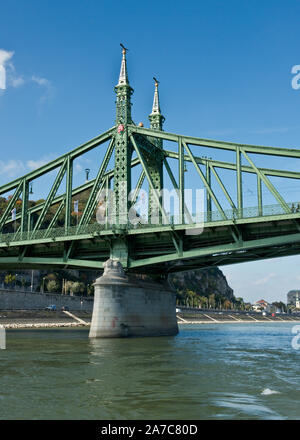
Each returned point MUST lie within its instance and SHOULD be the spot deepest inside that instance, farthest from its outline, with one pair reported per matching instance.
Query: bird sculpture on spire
(124, 48)
(156, 81)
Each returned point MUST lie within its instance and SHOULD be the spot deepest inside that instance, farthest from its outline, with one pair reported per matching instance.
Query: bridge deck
(160, 247)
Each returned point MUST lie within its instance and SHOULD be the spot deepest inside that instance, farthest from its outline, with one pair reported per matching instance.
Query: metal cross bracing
(232, 232)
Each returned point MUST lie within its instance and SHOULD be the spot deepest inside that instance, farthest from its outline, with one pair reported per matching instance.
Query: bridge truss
(231, 232)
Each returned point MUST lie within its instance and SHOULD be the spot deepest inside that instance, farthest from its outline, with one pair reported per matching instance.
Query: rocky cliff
(204, 282)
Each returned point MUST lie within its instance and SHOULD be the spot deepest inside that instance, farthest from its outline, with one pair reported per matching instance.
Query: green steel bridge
(229, 235)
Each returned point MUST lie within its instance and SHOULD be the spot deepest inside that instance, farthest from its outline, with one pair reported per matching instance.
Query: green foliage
(9, 279)
(53, 286)
(280, 305)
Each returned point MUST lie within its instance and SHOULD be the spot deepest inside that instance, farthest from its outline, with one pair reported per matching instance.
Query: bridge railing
(96, 228)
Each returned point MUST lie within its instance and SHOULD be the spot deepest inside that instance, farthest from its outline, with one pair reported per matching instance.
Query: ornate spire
(123, 78)
(155, 107)
(156, 118)
(124, 92)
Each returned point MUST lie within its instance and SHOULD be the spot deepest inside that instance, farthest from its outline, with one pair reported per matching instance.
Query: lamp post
(87, 172)
(31, 280)
(43, 286)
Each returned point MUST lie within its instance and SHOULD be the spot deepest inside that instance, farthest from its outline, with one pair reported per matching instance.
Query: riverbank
(33, 319)
(14, 319)
(244, 321)
(197, 316)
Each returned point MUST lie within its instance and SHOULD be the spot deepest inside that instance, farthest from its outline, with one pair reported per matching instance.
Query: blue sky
(224, 69)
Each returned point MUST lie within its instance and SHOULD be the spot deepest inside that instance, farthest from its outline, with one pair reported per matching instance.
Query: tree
(239, 303)
(227, 304)
(180, 297)
(191, 298)
(90, 289)
(212, 301)
(9, 278)
(52, 286)
(68, 287)
(280, 305)
(75, 287)
(203, 301)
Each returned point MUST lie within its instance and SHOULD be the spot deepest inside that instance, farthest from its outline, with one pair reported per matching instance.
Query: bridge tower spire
(123, 154)
(155, 117)
(155, 162)
(124, 92)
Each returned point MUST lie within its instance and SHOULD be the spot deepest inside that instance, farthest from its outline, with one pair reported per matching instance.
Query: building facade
(293, 298)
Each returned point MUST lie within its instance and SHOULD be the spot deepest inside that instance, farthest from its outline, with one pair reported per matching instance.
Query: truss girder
(175, 249)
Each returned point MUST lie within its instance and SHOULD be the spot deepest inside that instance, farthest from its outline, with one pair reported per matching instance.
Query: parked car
(51, 307)
(65, 309)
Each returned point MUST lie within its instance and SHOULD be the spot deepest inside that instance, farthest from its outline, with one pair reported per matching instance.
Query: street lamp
(31, 280)
(87, 172)
(30, 188)
(43, 286)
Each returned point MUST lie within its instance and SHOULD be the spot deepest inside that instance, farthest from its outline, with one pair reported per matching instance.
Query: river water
(208, 371)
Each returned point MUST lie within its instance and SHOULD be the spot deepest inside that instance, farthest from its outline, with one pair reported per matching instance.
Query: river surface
(208, 371)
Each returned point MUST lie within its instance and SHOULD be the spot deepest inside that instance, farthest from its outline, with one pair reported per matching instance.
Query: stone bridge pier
(125, 307)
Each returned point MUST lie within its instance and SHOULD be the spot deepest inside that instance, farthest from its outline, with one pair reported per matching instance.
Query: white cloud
(78, 167)
(47, 86)
(264, 280)
(15, 168)
(4, 57)
(41, 81)
(17, 81)
(34, 164)
(271, 130)
(10, 78)
(11, 168)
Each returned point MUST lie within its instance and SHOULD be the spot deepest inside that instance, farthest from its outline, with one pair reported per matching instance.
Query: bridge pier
(124, 307)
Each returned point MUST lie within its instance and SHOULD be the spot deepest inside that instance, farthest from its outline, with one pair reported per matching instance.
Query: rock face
(203, 282)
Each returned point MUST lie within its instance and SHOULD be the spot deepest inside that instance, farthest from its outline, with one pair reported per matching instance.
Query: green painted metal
(24, 216)
(259, 196)
(175, 185)
(181, 180)
(138, 187)
(208, 180)
(267, 183)
(68, 200)
(97, 185)
(75, 191)
(82, 149)
(51, 194)
(55, 217)
(227, 195)
(232, 166)
(255, 244)
(273, 151)
(208, 188)
(232, 235)
(11, 204)
(239, 179)
(149, 178)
